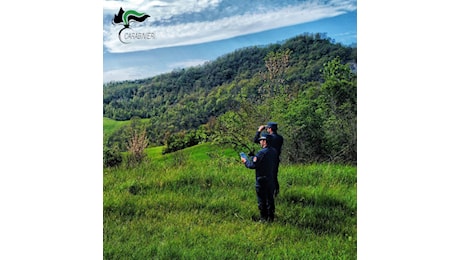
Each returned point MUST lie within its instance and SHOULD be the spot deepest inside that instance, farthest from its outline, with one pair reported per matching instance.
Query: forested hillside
(307, 84)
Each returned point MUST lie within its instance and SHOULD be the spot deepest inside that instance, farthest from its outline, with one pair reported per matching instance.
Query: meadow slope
(200, 203)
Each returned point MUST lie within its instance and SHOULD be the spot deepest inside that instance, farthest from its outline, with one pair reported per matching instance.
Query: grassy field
(110, 125)
(200, 203)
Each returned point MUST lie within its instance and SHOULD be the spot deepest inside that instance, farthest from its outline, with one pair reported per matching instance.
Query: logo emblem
(126, 18)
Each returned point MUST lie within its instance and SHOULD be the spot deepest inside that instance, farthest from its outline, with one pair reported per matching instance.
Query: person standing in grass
(264, 162)
(277, 143)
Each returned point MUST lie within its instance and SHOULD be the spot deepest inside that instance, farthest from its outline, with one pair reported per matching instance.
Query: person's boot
(271, 216)
(263, 217)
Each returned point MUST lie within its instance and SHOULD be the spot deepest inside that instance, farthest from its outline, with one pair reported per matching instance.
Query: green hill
(187, 98)
(111, 126)
(197, 153)
(308, 84)
(199, 203)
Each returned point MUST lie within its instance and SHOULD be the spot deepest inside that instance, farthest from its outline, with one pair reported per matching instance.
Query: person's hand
(261, 128)
(243, 160)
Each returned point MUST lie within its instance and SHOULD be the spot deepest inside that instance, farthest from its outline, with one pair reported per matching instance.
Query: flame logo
(126, 18)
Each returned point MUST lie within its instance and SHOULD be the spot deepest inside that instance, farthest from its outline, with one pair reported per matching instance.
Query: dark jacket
(265, 164)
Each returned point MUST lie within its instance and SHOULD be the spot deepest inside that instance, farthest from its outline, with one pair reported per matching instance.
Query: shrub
(136, 146)
(112, 157)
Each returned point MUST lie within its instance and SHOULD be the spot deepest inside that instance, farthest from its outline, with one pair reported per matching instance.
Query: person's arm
(255, 161)
(251, 163)
(257, 136)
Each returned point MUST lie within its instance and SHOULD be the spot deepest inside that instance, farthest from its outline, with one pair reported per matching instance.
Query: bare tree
(137, 143)
(277, 64)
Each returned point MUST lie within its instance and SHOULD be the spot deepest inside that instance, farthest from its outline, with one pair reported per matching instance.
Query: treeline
(307, 84)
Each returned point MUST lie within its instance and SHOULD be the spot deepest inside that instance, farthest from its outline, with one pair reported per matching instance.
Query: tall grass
(201, 204)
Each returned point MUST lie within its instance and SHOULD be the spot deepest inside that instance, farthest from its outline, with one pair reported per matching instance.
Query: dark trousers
(265, 199)
(277, 185)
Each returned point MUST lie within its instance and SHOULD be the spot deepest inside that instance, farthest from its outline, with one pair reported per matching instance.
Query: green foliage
(236, 128)
(305, 84)
(184, 139)
(186, 99)
(202, 208)
(340, 111)
(112, 157)
(318, 120)
(110, 125)
(303, 127)
(124, 136)
(117, 133)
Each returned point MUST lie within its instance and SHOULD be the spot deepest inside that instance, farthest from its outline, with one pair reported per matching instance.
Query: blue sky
(189, 33)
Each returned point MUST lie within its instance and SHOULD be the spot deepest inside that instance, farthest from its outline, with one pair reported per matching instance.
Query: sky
(188, 33)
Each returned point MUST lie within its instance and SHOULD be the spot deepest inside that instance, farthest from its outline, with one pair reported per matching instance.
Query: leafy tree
(339, 102)
(303, 131)
(237, 128)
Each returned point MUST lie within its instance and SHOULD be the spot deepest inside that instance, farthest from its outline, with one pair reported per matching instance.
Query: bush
(184, 139)
(136, 146)
(112, 157)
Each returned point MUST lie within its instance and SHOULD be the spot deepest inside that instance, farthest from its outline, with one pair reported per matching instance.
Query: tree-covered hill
(152, 97)
(256, 84)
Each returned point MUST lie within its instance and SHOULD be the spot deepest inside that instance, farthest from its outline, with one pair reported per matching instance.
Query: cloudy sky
(179, 34)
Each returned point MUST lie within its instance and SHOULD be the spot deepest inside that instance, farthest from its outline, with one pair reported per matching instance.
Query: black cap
(262, 137)
(265, 136)
(272, 125)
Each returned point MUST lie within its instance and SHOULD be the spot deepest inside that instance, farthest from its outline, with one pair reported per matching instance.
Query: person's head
(272, 127)
(264, 140)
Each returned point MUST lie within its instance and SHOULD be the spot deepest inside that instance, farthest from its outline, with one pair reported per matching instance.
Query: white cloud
(130, 73)
(206, 27)
(187, 63)
(159, 9)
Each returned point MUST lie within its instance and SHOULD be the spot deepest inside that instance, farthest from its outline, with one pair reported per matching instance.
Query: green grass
(110, 125)
(154, 153)
(200, 203)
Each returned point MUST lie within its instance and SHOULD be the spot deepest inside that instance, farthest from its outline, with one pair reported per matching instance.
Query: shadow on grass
(321, 214)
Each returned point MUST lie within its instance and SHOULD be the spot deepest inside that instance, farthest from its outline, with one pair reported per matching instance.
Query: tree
(237, 128)
(276, 64)
(339, 102)
(137, 143)
(303, 131)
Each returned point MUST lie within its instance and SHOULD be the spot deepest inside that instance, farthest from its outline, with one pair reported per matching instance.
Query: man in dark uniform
(264, 162)
(276, 142)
